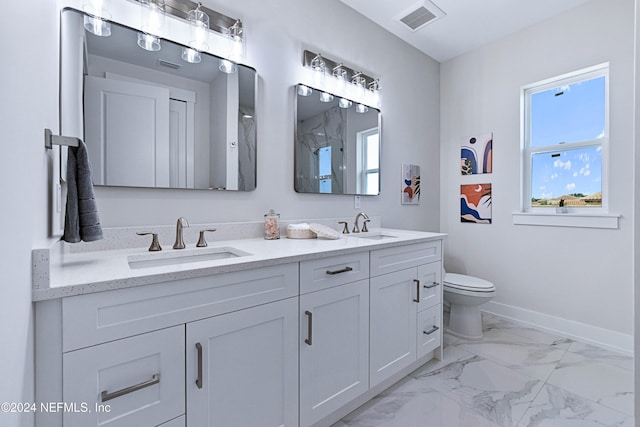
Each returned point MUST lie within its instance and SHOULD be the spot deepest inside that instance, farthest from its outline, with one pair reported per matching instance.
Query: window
(324, 169)
(368, 161)
(565, 142)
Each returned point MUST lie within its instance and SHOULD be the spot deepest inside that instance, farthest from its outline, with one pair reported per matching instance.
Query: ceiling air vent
(418, 17)
(168, 64)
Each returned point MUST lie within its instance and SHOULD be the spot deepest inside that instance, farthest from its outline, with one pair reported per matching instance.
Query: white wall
(29, 88)
(577, 274)
(277, 32)
(636, 216)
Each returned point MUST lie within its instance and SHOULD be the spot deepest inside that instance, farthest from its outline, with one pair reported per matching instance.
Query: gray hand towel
(81, 221)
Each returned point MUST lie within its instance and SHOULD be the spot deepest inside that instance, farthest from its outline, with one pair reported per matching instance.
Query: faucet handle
(364, 226)
(155, 246)
(345, 229)
(201, 242)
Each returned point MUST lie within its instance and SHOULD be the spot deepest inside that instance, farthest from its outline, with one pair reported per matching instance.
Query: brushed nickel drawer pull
(199, 379)
(309, 338)
(432, 330)
(417, 291)
(343, 270)
(106, 396)
(433, 285)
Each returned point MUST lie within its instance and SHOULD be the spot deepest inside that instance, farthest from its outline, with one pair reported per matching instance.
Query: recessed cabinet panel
(242, 367)
(429, 330)
(393, 323)
(94, 318)
(137, 381)
(430, 277)
(334, 349)
(326, 272)
(388, 260)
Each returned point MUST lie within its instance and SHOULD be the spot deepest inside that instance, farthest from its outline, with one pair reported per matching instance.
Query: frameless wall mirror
(337, 144)
(162, 119)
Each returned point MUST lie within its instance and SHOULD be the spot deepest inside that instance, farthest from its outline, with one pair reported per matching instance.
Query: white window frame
(598, 217)
(362, 155)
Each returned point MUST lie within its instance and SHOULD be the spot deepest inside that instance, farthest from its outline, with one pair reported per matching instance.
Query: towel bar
(50, 139)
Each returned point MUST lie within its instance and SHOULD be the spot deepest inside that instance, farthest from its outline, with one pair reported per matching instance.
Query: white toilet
(465, 294)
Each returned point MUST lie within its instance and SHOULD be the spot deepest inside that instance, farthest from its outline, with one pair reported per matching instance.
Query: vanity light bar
(330, 65)
(218, 22)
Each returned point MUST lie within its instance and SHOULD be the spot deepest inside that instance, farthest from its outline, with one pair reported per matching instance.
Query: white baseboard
(605, 338)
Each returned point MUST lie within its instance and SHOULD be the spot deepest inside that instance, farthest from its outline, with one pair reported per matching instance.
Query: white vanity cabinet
(130, 357)
(295, 343)
(406, 295)
(242, 367)
(334, 334)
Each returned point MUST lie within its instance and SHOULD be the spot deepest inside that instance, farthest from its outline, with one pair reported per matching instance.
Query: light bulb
(227, 66)
(192, 56)
(326, 97)
(344, 103)
(304, 90)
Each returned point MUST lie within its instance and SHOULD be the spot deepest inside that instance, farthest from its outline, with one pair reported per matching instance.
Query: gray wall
(277, 32)
(572, 274)
(30, 88)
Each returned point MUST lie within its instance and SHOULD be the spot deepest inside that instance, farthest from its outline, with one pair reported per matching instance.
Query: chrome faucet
(179, 244)
(356, 229)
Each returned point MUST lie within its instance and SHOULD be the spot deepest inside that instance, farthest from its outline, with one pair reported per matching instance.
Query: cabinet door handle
(433, 285)
(308, 340)
(417, 291)
(199, 379)
(106, 396)
(342, 270)
(430, 331)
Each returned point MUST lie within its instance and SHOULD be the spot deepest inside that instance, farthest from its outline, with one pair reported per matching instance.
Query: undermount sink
(159, 259)
(374, 236)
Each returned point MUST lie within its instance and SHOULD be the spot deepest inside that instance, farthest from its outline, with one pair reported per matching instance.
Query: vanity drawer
(430, 276)
(388, 260)
(105, 316)
(326, 272)
(141, 379)
(429, 329)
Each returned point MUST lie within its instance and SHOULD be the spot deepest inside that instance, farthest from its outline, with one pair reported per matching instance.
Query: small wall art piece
(475, 203)
(410, 184)
(476, 155)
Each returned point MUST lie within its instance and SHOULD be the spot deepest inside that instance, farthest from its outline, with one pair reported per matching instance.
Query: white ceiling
(467, 24)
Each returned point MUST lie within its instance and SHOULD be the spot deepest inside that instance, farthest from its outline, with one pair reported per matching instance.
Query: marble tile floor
(516, 376)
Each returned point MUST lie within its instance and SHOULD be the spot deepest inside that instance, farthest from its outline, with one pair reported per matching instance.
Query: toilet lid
(468, 283)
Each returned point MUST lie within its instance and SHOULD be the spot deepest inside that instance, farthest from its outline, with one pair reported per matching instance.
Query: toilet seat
(463, 282)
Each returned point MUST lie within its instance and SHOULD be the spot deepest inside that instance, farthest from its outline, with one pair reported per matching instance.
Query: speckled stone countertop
(61, 272)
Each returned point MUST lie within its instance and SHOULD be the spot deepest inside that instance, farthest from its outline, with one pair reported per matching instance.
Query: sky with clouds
(567, 114)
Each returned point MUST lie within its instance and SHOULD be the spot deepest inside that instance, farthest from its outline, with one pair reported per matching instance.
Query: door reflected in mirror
(157, 119)
(337, 144)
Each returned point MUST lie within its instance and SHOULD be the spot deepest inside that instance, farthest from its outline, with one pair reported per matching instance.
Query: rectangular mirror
(152, 118)
(337, 144)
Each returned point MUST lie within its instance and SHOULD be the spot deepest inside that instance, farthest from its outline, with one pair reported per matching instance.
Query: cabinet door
(334, 349)
(137, 381)
(393, 323)
(430, 277)
(429, 330)
(242, 367)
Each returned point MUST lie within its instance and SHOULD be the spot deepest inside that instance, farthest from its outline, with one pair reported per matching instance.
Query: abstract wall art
(475, 203)
(410, 184)
(476, 155)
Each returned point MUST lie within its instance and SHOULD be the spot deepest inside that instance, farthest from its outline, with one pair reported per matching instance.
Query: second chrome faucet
(179, 243)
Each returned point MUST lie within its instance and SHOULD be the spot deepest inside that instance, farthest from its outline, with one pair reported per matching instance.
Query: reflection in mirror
(337, 145)
(157, 119)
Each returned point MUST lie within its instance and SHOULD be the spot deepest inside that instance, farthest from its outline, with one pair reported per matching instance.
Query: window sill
(553, 219)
